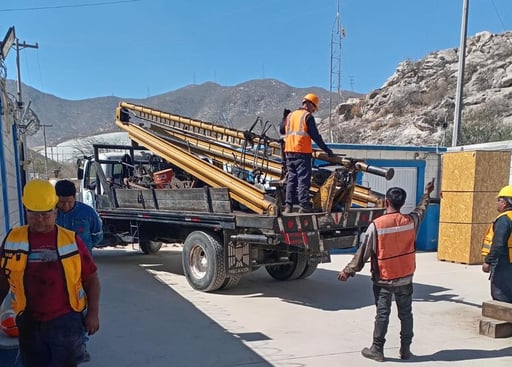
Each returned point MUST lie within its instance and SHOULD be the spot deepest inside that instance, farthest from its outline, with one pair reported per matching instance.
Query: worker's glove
(286, 112)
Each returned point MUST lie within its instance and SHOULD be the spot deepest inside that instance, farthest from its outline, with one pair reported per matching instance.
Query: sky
(141, 48)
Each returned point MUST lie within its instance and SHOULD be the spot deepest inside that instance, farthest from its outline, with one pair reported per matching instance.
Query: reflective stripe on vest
(297, 139)
(487, 241)
(395, 246)
(15, 257)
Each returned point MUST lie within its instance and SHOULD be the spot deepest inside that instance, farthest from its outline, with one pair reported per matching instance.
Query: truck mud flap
(301, 231)
(238, 257)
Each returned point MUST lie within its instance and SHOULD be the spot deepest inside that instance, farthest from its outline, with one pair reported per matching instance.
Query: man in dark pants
(52, 278)
(299, 128)
(389, 241)
(497, 248)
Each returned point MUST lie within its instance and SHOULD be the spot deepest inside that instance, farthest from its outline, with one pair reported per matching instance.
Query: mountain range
(236, 106)
(415, 106)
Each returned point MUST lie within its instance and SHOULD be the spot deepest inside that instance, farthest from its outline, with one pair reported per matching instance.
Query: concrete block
(495, 328)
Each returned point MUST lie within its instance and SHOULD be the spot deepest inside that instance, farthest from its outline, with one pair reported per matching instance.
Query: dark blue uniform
(499, 259)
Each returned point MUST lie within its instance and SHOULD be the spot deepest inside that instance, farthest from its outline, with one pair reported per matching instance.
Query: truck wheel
(231, 282)
(290, 271)
(149, 247)
(203, 261)
(310, 269)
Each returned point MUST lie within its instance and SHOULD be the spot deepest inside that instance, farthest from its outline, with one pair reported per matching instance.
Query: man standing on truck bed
(77, 216)
(299, 128)
(52, 279)
(389, 241)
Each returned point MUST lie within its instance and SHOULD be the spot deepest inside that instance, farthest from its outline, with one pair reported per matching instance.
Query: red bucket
(163, 178)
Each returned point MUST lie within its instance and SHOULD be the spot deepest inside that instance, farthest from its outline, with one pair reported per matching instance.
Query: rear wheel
(289, 271)
(310, 269)
(231, 282)
(149, 247)
(203, 261)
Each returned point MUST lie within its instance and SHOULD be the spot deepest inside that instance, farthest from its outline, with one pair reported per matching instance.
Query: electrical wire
(69, 6)
(498, 14)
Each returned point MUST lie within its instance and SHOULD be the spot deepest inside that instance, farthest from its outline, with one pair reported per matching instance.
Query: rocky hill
(416, 104)
(236, 106)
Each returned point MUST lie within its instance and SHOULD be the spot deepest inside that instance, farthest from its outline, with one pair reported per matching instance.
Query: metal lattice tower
(335, 94)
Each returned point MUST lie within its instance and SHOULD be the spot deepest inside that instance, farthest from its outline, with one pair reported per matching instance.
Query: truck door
(88, 184)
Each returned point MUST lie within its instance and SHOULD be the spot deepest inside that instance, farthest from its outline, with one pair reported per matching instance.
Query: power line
(69, 6)
(498, 14)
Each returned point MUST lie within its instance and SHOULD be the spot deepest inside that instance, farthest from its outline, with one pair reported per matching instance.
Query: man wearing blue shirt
(77, 216)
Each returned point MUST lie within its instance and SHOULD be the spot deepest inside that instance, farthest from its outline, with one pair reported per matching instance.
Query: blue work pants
(501, 282)
(299, 179)
(53, 343)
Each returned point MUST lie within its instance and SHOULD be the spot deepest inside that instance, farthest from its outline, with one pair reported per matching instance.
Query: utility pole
(337, 34)
(45, 152)
(20, 46)
(20, 110)
(460, 75)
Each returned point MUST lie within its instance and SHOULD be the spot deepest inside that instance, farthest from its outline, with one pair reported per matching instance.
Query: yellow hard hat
(313, 98)
(39, 196)
(506, 192)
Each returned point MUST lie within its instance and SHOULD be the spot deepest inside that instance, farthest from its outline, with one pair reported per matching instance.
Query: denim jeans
(403, 298)
(299, 179)
(52, 343)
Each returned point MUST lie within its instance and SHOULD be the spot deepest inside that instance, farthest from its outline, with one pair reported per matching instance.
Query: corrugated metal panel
(9, 203)
(405, 177)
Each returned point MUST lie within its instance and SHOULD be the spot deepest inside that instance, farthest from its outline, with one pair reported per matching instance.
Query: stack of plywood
(470, 184)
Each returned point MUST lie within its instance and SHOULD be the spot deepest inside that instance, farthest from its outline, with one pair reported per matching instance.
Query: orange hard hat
(313, 98)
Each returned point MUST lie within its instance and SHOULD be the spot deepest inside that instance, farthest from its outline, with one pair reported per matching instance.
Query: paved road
(151, 317)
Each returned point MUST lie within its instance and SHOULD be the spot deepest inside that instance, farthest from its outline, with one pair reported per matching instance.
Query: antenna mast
(337, 34)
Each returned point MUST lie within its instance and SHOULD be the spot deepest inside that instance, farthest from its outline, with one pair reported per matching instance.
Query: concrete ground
(151, 317)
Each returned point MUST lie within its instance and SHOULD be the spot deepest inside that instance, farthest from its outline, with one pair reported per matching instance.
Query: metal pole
(45, 153)
(460, 76)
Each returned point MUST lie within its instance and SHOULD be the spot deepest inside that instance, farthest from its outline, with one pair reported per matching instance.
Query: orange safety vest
(487, 241)
(297, 139)
(395, 246)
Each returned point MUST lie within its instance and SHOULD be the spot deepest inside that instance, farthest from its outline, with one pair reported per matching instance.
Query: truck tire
(310, 269)
(203, 261)
(290, 271)
(149, 247)
(231, 282)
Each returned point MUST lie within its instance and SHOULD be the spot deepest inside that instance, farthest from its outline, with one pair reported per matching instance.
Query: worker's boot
(405, 351)
(374, 352)
(287, 209)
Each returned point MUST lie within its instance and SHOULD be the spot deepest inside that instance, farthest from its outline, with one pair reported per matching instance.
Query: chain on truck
(220, 192)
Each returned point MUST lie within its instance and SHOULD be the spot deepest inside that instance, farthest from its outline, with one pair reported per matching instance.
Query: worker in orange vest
(389, 241)
(300, 130)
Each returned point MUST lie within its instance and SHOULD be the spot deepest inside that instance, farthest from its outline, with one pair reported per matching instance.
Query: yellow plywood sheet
(475, 171)
(468, 207)
(461, 242)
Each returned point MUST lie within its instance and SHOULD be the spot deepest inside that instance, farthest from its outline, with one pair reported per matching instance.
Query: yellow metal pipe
(240, 190)
(227, 154)
(193, 123)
